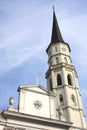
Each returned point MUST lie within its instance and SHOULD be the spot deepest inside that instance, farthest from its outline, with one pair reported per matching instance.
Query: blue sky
(25, 33)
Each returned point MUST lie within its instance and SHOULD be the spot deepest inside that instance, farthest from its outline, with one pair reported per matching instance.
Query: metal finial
(53, 8)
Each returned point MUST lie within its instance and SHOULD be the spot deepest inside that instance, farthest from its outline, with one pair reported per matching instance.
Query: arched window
(59, 81)
(56, 49)
(50, 84)
(50, 53)
(57, 60)
(73, 99)
(65, 60)
(61, 100)
(69, 79)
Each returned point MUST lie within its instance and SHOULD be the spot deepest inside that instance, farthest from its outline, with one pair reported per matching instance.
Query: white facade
(59, 107)
(37, 101)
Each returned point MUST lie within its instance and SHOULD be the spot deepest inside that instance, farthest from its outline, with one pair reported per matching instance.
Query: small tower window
(57, 60)
(49, 53)
(65, 60)
(73, 99)
(55, 49)
(50, 62)
(69, 79)
(61, 100)
(50, 84)
(59, 81)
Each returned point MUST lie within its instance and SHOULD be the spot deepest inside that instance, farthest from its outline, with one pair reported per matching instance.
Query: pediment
(36, 88)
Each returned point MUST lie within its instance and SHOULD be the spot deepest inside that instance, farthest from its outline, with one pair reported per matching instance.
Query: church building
(59, 107)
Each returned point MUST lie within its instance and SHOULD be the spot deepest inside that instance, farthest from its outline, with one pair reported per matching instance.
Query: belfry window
(59, 81)
(49, 53)
(69, 79)
(61, 99)
(50, 84)
(57, 60)
(56, 49)
(73, 99)
(65, 60)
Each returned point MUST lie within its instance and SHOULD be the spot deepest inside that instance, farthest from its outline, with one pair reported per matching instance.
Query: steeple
(56, 34)
(62, 80)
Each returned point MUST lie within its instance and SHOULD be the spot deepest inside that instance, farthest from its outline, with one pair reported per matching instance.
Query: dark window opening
(65, 60)
(69, 78)
(59, 81)
(61, 99)
(73, 99)
(57, 60)
(50, 84)
(56, 49)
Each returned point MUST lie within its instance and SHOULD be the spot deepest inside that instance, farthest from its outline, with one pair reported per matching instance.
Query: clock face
(65, 50)
(37, 104)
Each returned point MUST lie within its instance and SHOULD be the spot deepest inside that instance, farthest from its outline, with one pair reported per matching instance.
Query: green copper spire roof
(56, 34)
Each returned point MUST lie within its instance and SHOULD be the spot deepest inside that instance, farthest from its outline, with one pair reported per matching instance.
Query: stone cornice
(57, 55)
(63, 86)
(60, 66)
(36, 119)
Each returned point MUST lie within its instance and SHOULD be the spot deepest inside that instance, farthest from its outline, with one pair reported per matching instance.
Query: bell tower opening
(59, 80)
(69, 79)
(50, 85)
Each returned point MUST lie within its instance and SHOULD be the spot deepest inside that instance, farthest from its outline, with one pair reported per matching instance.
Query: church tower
(62, 79)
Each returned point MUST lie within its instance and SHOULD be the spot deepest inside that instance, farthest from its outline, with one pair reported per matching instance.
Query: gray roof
(56, 34)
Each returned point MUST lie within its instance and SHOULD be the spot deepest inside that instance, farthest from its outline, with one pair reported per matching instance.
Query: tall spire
(56, 34)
